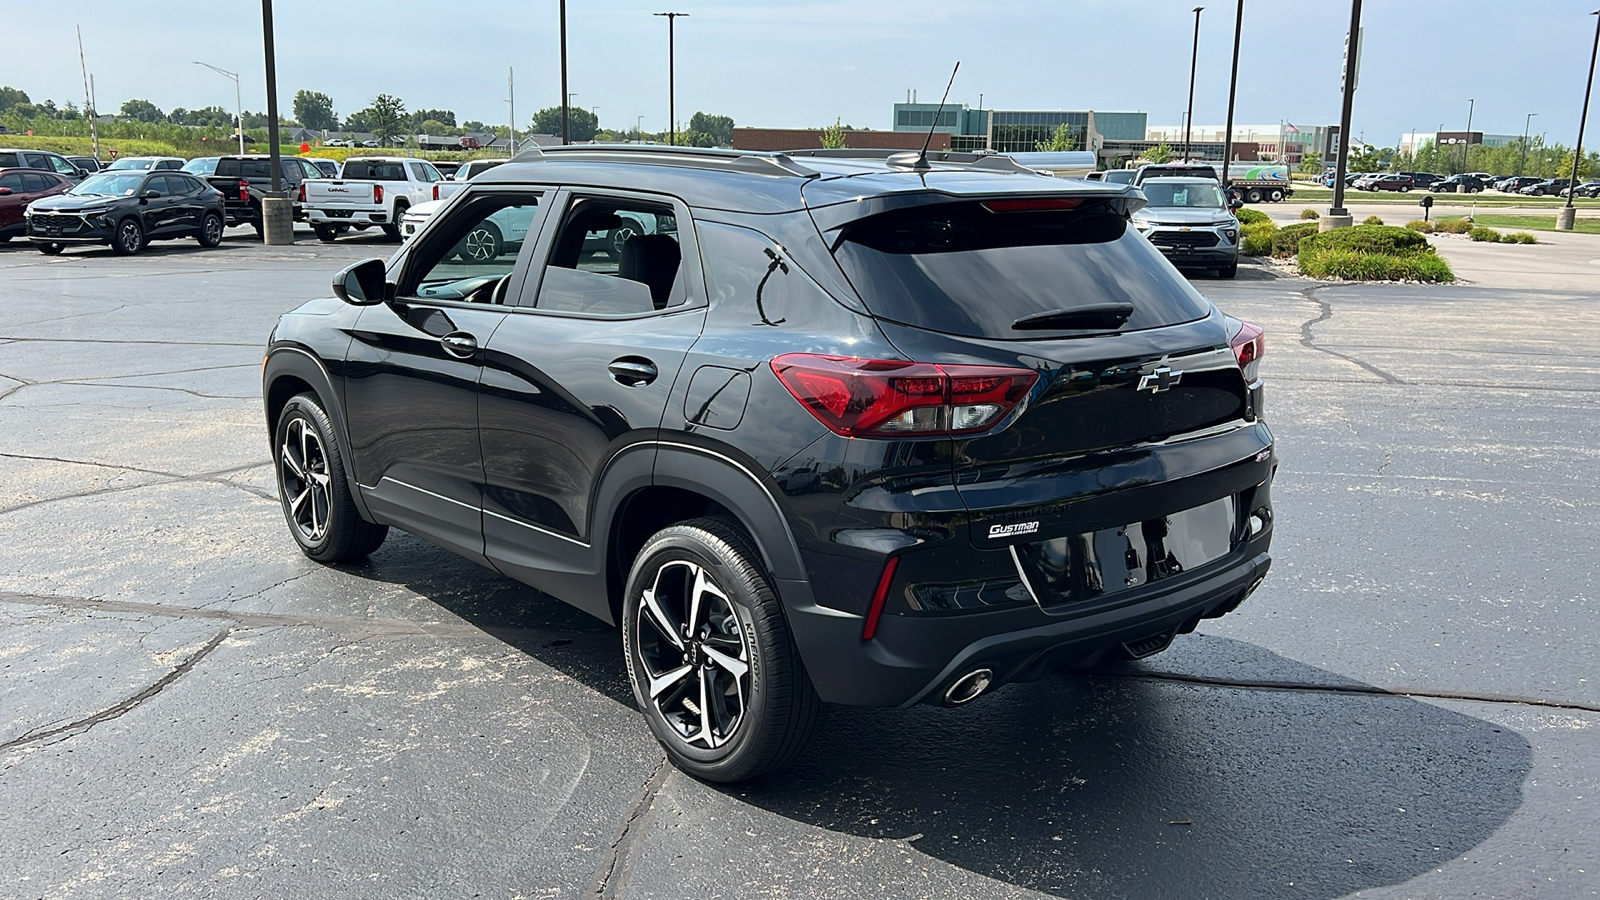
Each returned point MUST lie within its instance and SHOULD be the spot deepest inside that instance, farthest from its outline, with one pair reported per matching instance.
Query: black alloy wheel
(313, 489)
(128, 238)
(51, 249)
(210, 231)
(482, 243)
(710, 657)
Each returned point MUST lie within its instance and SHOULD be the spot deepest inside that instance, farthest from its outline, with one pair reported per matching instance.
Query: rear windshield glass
(244, 168)
(961, 269)
(369, 170)
(10, 161)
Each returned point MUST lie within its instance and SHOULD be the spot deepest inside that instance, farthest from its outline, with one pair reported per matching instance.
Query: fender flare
(735, 485)
(297, 361)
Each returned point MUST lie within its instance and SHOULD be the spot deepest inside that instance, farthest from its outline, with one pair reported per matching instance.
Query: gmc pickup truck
(375, 190)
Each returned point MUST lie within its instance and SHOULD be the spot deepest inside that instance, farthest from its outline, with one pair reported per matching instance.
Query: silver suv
(1190, 222)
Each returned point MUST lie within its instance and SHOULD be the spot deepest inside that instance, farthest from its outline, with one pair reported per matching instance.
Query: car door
(13, 203)
(579, 372)
(187, 203)
(160, 214)
(411, 378)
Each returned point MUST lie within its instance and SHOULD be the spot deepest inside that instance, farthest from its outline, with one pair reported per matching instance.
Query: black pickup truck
(244, 180)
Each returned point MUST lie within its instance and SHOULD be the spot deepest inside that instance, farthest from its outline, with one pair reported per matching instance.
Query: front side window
(62, 166)
(614, 258)
(469, 256)
(12, 180)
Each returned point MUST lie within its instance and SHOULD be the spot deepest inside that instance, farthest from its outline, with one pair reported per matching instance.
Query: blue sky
(804, 62)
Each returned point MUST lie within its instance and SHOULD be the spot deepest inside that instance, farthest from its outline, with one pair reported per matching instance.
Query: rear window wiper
(1095, 316)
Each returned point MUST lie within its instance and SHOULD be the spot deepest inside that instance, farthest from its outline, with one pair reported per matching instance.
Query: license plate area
(1093, 565)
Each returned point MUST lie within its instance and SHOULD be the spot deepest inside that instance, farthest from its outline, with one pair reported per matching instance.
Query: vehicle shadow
(1115, 784)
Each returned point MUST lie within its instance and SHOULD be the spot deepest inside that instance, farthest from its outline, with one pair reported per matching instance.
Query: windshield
(128, 163)
(205, 165)
(109, 185)
(1190, 196)
(962, 269)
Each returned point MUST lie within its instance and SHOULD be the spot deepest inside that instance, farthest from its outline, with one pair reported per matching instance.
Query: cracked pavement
(1407, 708)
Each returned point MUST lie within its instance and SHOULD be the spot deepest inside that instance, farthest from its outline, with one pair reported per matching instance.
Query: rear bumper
(913, 660)
(346, 217)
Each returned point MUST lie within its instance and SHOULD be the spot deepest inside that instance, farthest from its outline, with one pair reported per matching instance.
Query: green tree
(581, 123)
(314, 109)
(472, 125)
(833, 137)
(1062, 140)
(1311, 164)
(142, 111)
(1159, 154)
(442, 116)
(718, 129)
(385, 118)
(1366, 159)
(10, 96)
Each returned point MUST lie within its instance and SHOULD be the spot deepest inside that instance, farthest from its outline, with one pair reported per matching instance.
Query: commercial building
(1412, 141)
(1010, 131)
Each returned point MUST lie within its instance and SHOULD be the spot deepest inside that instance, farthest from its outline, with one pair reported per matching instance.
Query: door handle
(633, 371)
(459, 344)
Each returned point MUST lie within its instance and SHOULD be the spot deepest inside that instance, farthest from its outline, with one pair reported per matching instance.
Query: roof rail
(997, 162)
(694, 157)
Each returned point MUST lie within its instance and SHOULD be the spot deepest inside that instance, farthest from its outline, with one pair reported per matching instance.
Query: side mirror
(150, 195)
(1235, 203)
(363, 284)
(5, 191)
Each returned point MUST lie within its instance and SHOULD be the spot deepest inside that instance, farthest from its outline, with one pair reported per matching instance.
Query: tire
(1228, 271)
(210, 234)
(50, 249)
(1405, 188)
(714, 722)
(482, 244)
(325, 233)
(1275, 196)
(128, 239)
(313, 489)
(392, 229)
(261, 234)
(1253, 195)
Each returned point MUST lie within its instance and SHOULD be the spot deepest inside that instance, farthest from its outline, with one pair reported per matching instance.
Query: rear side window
(967, 269)
(372, 170)
(10, 161)
(244, 168)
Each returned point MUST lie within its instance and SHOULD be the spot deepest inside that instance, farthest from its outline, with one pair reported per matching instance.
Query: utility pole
(672, 112)
(1523, 162)
(272, 100)
(238, 103)
(1233, 86)
(1566, 215)
(565, 126)
(511, 98)
(88, 96)
(1337, 216)
(1467, 147)
(1194, 58)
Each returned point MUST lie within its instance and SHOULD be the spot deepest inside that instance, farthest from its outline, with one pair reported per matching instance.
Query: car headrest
(651, 259)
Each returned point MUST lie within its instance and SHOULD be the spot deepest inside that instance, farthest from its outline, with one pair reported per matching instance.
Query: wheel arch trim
(291, 360)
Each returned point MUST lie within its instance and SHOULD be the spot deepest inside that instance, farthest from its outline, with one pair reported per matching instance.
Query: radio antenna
(922, 158)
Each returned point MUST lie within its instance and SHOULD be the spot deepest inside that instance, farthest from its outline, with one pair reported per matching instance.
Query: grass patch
(1286, 242)
(1519, 237)
(1586, 225)
(1372, 220)
(1423, 225)
(1372, 253)
(1454, 225)
(1256, 238)
(1310, 214)
(1251, 216)
(1483, 234)
(1484, 199)
(82, 146)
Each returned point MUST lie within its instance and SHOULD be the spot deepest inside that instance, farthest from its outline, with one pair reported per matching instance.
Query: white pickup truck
(457, 183)
(370, 190)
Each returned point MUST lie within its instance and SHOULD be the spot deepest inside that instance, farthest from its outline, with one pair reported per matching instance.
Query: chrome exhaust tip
(967, 688)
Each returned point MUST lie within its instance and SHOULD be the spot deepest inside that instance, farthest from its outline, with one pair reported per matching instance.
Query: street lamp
(1233, 84)
(238, 104)
(672, 112)
(565, 128)
(1521, 163)
(638, 130)
(1566, 215)
(1337, 216)
(1194, 58)
(1467, 146)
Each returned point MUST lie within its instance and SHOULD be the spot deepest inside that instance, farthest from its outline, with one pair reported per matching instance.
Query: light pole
(1566, 215)
(1233, 84)
(1522, 163)
(1337, 216)
(564, 95)
(672, 112)
(238, 104)
(1467, 147)
(638, 130)
(1194, 57)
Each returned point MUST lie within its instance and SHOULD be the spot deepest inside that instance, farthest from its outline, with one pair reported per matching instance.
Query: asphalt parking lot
(1408, 708)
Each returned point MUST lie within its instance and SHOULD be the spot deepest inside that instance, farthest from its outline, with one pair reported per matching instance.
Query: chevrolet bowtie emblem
(1163, 378)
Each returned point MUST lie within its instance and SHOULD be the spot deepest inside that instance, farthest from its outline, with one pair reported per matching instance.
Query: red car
(18, 188)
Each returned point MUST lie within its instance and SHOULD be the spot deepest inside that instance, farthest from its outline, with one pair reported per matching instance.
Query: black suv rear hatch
(1138, 435)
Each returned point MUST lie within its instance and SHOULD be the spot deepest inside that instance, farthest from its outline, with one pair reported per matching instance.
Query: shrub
(1484, 234)
(1455, 226)
(1256, 238)
(1286, 242)
(1519, 237)
(1373, 239)
(1372, 220)
(1251, 216)
(1353, 265)
(1310, 214)
(1423, 225)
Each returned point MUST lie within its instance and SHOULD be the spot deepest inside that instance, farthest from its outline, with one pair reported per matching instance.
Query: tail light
(302, 192)
(377, 193)
(890, 398)
(435, 192)
(1249, 344)
(244, 191)
(869, 628)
